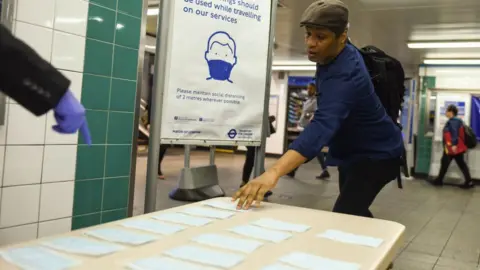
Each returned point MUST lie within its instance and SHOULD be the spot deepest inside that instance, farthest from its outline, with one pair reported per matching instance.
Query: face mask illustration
(221, 56)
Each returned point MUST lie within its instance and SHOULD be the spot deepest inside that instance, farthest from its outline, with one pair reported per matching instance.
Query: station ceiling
(387, 24)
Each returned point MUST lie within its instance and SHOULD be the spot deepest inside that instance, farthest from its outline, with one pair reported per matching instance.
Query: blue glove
(70, 117)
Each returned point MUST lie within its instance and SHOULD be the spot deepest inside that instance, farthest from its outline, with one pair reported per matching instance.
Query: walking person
(308, 111)
(250, 158)
(351, 119)
(454, 148)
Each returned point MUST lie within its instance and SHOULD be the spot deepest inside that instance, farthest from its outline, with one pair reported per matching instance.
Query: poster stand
(202, 182)
(199, 183)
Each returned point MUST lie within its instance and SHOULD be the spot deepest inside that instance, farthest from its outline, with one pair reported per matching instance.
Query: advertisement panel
(215, 80)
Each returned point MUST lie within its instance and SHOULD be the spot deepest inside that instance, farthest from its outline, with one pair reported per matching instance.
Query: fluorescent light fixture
(153, 11)
(443, 45)
(294, 68)
(451, 61)
(292, 62)
(452, 55)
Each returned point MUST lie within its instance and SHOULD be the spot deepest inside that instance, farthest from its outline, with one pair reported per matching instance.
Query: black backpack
(388, 79)
(470, 137)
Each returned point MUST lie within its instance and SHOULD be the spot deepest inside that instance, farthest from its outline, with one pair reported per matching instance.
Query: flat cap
(331, 14)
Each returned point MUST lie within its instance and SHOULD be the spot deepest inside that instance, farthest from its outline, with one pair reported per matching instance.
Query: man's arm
(334, 106)
(27, 78)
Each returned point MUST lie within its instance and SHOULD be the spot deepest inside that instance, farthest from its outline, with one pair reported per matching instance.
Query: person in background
(455, 148)
(250, 158)
(308, 111)
(39, 87)
(350, 119)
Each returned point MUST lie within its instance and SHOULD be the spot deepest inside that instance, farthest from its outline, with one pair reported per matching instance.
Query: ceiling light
(441, 45)
(153, 11)
(292, 62)
(460, 54)
(451, 61)
(294, 68)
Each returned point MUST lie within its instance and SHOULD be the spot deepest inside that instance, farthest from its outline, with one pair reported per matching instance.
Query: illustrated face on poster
(221, 56)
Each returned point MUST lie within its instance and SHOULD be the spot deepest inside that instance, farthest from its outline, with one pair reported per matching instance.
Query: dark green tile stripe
(108, 93)
(112, 4)
(101, 23)
(131, 7)
(424, 144)
(128, 31)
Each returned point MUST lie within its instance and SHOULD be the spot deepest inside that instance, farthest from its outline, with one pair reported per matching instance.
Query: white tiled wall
(37, 166)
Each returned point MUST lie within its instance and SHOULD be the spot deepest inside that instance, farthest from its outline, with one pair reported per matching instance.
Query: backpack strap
(399, 180)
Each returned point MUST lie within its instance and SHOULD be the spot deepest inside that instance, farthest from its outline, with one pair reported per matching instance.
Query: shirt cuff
(308, 152)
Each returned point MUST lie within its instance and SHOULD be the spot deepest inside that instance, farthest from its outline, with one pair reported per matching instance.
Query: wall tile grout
(45, 131)
(108, 117)
(115, 10)
(32, 223)
(41, 183)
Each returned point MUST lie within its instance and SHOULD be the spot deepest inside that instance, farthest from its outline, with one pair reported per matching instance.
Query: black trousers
(161, 155)
(249, 162)
(321, 159)
(460, 160)
(360, 184)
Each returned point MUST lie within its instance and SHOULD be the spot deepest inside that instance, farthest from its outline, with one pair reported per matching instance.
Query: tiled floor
(443, 224)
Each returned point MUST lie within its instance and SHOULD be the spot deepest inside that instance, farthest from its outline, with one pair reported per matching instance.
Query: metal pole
(212, 155)
(260, 151)
(186, 158)
(140, 85)
(161, 52)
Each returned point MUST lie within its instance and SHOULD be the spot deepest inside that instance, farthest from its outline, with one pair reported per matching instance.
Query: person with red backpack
(454, 148)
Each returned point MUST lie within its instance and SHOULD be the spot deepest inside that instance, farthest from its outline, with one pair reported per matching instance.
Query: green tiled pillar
(424, 147)
(108, 93)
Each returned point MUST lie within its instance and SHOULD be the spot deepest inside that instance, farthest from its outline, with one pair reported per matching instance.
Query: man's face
(448, 114)
(322, 44)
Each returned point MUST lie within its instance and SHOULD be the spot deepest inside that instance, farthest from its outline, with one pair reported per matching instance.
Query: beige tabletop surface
(320, 221)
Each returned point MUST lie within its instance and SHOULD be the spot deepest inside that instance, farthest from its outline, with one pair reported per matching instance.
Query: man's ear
(344, 37)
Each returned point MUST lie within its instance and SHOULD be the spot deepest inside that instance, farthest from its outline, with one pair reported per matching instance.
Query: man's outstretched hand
(254, 191)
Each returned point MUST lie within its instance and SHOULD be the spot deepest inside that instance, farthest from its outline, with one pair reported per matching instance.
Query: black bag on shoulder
(388, 78)
(470, 137)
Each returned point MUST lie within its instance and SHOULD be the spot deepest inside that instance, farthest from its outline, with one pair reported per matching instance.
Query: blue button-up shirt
(350, 118)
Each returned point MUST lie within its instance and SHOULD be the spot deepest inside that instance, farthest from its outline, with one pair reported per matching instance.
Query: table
(367, 257)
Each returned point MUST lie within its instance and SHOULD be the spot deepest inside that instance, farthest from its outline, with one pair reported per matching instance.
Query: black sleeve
(27, 78)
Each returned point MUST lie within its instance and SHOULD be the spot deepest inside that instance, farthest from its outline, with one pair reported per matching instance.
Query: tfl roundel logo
(232, 133)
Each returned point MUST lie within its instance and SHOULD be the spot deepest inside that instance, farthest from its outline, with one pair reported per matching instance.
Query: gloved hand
(70, 117)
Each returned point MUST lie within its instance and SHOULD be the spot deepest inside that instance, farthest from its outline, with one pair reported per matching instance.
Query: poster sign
(217, 62)
(461, 101)
(475, 119)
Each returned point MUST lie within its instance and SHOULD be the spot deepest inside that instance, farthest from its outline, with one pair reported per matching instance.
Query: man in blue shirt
(363, 140)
